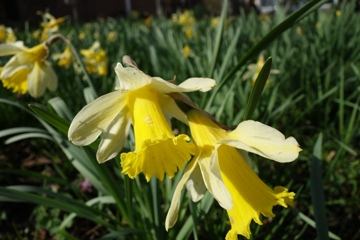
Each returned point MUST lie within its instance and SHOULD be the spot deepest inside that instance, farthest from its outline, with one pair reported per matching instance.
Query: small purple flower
(86, 186)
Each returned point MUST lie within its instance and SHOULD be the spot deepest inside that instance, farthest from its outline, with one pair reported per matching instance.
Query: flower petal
(198, 84)
(195, 185)
(130, 78)
(12, 66)
(170, 108)
(263, 140)
(172, 215)
(11, 48)
(214, 182)
(51, 77)
(95, 117)
(189, 85)
(114, 137)
(37, 81)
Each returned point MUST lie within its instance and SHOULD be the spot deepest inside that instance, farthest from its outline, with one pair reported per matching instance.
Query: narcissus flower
(186, 51)
(7, 34)
(95, 59)
(223, 170)
(142, 101)
(28, 69)
(254, 70)
(65, 58)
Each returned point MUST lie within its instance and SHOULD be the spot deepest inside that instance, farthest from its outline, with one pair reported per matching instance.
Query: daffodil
(142, 101)
(65, 58)
(95, 59)
(186, 51)
(27, 65)
(254, 70)
(7, 34)
(50, 25)
(223, 170)
(112, 36)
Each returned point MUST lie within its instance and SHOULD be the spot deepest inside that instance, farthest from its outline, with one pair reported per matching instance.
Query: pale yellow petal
(130, 78)
(214, 182)
(198, 84)
(172, 215)
(263, 140)
(190, 85)
(51, 77)
(11, 48)
(95, 117)
(114, 137)
(37, 81)
(195, 185)
(170, 108)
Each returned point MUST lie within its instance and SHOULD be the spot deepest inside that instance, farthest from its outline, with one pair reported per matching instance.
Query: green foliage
(317, 55)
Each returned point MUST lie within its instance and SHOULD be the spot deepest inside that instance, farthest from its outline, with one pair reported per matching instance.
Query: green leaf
(257, 89)
(317, 191)
(58, 122)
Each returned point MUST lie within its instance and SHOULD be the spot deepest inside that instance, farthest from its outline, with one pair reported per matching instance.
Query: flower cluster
(219, 162)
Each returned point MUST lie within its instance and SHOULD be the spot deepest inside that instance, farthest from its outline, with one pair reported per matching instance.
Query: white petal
(114, 137)
(263, 140)
(196, 186)
(214, 182)
(170, 108)
(11, 48)
(95, 118)
(198, 84)
(51, 77)
(190, 85)
(173, 212)
(130, 78)
(37, 81)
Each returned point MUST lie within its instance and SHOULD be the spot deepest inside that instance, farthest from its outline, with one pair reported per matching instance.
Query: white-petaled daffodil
(27, 70)
(222, 169)
(142, 101)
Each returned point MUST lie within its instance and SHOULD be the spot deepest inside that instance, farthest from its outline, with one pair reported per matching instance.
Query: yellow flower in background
(7, 34)
(142, 101)
(299, 31)
(82, 35)
(27, 65)
(214, 22)
(65, 58)
(338, 13)
(112, 36)
(188, 31)
(186, 51)
(50, 25)
(223, 170)
(254, 70)
(185, 18)
(95, 59)
(148, 20)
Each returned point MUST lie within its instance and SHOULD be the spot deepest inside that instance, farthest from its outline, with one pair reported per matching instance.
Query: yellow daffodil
(338, 13)
(50, 25)
(65, 58)
(95, 59)
(148, 20)
(223, 170)
(142, 101)
(82, 36)
(214, 22)
(186, 51)
(7, 34)
(254, 70)
(112, 36)
(28, 65)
